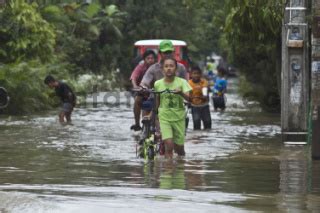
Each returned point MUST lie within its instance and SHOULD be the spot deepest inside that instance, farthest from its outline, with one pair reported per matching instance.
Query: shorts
(67, 107)
(219, 102)
(144, 95)
(148, 104)
(174, 130)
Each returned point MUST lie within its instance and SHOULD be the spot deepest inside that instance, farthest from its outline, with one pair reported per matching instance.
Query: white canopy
(156, 42)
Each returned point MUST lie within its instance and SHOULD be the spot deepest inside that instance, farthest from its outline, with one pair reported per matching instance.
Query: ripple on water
(84, 199)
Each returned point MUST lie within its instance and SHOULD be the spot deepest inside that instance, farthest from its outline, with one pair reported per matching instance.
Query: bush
(24, 83)
(24, 34)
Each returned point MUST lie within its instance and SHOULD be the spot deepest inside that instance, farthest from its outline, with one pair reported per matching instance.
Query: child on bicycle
(199, 100)
(171, 108)
(219, 90)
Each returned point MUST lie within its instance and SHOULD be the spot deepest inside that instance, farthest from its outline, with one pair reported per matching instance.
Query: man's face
(167, 54)
(149, 60)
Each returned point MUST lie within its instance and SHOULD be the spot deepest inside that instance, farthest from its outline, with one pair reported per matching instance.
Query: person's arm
(134, 76)
(186, 95)
(205, 85)
(68, 94)
(148, 77)
(182, 72)
(157, 99)
(157, 103)
(225, 87)
(134, 83)
(184, 91)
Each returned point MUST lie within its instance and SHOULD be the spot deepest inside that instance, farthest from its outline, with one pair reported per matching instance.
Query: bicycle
(150, 143)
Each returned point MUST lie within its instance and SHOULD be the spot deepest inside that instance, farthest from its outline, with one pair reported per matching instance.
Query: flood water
(240, 165)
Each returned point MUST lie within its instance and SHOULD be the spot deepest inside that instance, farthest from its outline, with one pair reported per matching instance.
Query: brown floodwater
(240, 165)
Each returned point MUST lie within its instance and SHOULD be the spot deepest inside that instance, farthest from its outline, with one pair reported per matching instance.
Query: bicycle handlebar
(153, 91)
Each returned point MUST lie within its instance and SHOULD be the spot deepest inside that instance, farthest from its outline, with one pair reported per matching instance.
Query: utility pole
(295, 73)
(315, 79)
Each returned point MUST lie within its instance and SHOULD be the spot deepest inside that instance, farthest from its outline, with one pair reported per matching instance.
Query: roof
(156, 42)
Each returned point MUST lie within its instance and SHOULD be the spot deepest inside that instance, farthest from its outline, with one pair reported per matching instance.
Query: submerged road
(240, 165)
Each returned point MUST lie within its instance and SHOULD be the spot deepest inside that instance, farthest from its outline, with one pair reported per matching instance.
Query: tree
(252, 32)
(24, 34)
(88, 35)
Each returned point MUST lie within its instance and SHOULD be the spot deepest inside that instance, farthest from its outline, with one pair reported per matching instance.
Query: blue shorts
(67, 107)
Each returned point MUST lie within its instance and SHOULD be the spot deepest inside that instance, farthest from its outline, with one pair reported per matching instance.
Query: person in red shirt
(149, 58)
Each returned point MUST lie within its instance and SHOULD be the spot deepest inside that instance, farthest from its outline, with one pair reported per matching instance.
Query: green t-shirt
(171, 105)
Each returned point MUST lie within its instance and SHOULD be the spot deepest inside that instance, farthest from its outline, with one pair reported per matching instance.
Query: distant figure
(219, 90)
(65, 93)
(211, 69)
(149, 58)
(155, 72)
(199, 99)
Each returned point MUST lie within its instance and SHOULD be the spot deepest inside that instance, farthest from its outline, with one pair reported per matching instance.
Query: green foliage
(24, 82)
(252, 35)
(88, 35)
(74, 38)
(24, 34)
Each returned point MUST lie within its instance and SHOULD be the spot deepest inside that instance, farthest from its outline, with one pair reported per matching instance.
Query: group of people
(167, 74)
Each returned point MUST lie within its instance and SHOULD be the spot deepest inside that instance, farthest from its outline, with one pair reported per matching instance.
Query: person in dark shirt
(66, 95)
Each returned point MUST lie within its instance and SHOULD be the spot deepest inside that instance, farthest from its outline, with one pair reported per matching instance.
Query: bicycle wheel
(145, 130)
(151, 153)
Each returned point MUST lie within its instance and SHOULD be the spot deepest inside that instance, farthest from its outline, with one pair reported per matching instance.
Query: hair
(49, 79)
(196, 69)
(170, 58)
(222, 70)
(149, 52)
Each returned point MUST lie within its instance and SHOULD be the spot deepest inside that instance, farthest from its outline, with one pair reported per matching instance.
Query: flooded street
(240, 165)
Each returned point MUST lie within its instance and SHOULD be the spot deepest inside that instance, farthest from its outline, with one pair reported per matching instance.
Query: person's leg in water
(179, 149)
(137, 112)
(167, 138)
(61, 117)
(206, 117)
(179, 137)
(214, 103)
(68, 117)
(223, 104)
(196, 117)
(65, 114)
(169, 146)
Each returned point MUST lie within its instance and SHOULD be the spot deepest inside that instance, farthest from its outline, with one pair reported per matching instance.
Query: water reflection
(299, 180)
(295, 170)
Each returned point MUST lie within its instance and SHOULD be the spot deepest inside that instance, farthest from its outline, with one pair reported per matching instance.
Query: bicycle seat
(146, 118)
